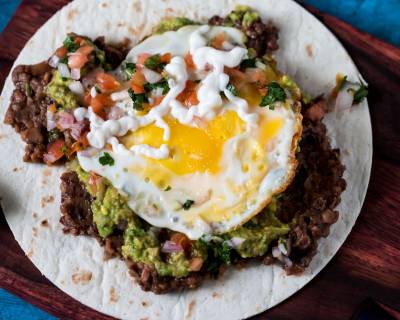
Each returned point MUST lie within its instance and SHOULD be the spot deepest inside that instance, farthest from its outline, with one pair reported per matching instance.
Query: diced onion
(77, 129)
(93, 92)
(282, 249)
(51, 124)
(76, 74)
(237, 241)
(65, 120)
(121, 95)
(76, 87)
(64, 70)
(170, 247)
(151, 76)
(54, 61)
(116, 113)
(344, 99)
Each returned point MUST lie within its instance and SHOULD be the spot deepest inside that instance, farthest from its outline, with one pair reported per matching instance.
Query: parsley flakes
(232, 89)
(106, 160)
(138, 99)
(129, 68)
(70, 44)
(188, 204)
(275, 93)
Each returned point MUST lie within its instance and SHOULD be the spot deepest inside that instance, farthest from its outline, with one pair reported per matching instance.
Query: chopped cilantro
(64, 60)
(167, 188)
(129, 68)
(162, 84)
(342, 83)
(248, 63)
(70, 44)
(231, 88)
(275, 93)
(360, 94)
(64, 149)
(188, 204)
(54, 134)
(154, 62)
(138, 99)
(106, 160)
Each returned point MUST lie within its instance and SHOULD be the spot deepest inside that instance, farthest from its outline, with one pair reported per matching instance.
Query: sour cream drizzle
(210, 100)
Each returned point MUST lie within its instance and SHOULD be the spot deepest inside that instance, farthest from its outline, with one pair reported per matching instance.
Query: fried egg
(204, 169)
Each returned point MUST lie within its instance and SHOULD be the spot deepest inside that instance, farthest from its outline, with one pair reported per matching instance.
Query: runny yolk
(192, 149)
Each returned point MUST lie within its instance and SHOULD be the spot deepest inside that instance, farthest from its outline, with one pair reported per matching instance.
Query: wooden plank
(368, 265)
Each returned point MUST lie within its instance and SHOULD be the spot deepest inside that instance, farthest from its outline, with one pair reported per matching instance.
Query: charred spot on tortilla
(199, 116)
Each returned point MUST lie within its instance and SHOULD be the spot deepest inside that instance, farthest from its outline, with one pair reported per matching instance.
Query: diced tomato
(182, 240)
(61, 52)
(137, 89)
(54, 151)
(142, 59)
(78, 59)
(137, 82)
(189, 62)
(100, 103)
(196, 263)
(52, 108)
(166, 58)
(107, 82)
(157, 101)
(189, 96)
(218, 41)
(255, 75)
(78, 40)
(237, 77)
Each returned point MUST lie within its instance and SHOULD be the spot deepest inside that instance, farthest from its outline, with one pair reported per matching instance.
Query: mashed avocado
(242, 14)
(172, 24)
(141, 244)
(58, 90)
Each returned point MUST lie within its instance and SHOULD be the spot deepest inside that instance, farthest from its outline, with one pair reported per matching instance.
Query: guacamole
(172, 24)
(58, 90)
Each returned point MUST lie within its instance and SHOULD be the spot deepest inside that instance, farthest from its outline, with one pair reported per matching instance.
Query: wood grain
(368, 265)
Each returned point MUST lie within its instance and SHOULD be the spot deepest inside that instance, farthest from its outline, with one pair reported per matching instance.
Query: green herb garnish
(275, 93)
(106, 160)
(138, 99)
(342, 83)
(232, 89)
(188, 204)
(70, 44)
(154, 62)
(248, 63)
(129, 68)
(54, 135)
(162, 84)
(360, 94)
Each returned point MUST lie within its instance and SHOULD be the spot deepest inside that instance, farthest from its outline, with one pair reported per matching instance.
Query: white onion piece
(54, 61)
(282, 249)
(76, 74)
(90, 79)
(227, 46)
(237, 241)
(344, 100)
(93, 92)
(276, 253)
(151, 76)
(116, 113)
(64, 70)
(88, 153)
(77, 88)
(65, 120)
(121, 95)
(170, 247)
(51, 123)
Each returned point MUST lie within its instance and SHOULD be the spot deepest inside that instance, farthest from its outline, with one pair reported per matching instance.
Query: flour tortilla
(30, 193)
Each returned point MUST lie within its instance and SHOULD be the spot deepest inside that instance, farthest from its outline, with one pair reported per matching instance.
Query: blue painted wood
(377, 17)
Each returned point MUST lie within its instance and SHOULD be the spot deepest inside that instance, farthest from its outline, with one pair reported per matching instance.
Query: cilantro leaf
(232, 89)
(342, 83)
(162, 84)
(154, 62)
(275, 93)
(188, 204)
(248, 63)
(54, 135)
(360, 94)
(138, 99)
(70, 44)
(129, 68)
(106, 160)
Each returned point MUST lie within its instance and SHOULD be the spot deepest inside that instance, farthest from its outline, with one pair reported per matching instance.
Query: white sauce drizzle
(210, 100)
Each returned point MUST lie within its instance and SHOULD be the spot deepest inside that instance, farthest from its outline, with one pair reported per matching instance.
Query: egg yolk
(192, 149)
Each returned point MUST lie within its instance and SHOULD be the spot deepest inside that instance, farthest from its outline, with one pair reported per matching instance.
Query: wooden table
(368, 265)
